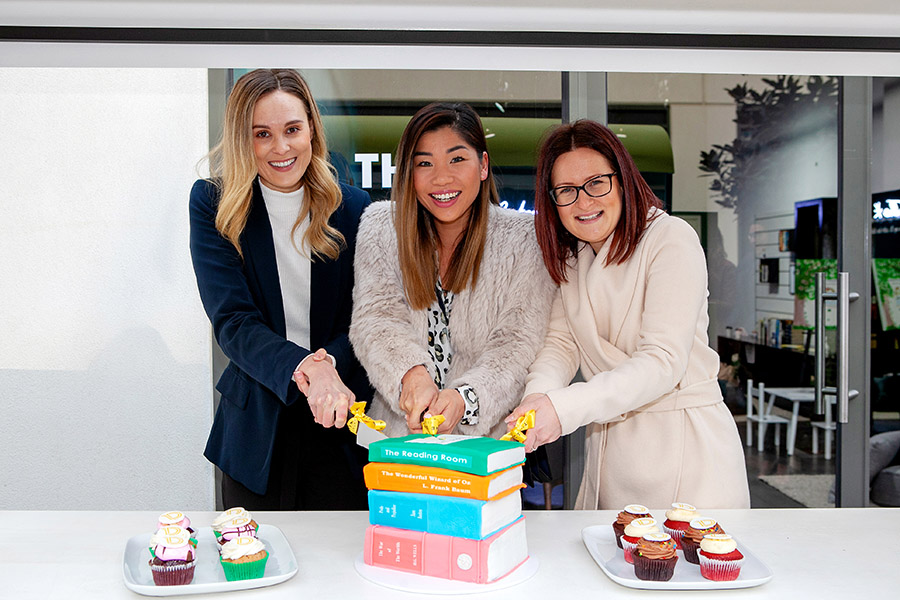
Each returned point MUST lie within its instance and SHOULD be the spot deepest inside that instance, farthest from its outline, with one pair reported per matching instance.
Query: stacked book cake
(446, 506)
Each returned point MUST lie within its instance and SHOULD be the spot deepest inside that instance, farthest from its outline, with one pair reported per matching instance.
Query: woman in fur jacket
(451, 298)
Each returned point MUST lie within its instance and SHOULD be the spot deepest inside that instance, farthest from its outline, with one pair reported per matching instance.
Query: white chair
(827, 426)
(762, 417)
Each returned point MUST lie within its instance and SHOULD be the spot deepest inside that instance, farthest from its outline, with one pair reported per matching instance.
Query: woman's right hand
(417, 394)
(329, 399)
(547, 427)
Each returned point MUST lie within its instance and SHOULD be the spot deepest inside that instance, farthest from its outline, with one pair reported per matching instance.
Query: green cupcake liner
(247, 570)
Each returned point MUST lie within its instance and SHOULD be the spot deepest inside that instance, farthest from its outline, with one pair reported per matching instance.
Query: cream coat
(658, 431)
(496, 328)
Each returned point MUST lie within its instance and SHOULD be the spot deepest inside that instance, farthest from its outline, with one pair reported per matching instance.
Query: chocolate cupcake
(655, 557)
(690, 541)
(628, 514)
(634, 531)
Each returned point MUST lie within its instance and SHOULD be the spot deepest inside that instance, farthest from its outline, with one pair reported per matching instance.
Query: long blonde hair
(232, 164)
(416, 236)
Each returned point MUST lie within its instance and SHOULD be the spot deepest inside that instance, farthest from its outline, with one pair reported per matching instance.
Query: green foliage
(766, 120)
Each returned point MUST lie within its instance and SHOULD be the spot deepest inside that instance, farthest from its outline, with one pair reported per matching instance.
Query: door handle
(842, 386)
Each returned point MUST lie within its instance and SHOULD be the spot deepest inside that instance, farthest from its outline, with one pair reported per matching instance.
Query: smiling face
(281, 140)
(591, 220)
(447, 176)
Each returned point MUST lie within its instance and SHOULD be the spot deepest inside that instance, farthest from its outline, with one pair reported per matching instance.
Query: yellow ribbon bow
(430, 424)
(359, 416)
(523, 423)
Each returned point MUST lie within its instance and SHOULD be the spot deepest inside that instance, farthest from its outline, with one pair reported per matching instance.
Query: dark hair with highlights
(557, 244)
(417, 241)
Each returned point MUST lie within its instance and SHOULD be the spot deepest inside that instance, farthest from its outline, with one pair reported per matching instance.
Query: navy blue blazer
(244, 303)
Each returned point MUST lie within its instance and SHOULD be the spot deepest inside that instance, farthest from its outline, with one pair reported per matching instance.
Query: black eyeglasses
(597, 187)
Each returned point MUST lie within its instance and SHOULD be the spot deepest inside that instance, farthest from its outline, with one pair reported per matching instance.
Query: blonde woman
(451, 298)
(272, 242)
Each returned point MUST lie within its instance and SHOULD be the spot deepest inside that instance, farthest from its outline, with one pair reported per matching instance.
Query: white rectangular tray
(600, 541)
(208, 574)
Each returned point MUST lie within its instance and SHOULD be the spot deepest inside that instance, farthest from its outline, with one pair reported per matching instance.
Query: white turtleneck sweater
(292, 259)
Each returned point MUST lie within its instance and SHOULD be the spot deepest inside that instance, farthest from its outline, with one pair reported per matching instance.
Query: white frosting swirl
(639, 527)
(681, 512)
(228, 515)
(242, 546)
(718, 543)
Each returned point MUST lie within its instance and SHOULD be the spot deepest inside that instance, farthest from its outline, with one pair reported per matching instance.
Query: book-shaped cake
(441, 482)
(461, 517)
(460, 559)
(474, 455)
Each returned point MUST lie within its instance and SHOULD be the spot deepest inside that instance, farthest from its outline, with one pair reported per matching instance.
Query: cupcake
(226, 516)
(720, 560)
(237, 528)
(634, 531)
(678, 520)
(655, 557)
(628, 514)
(243, 558)
(172, 556)
(690, 541)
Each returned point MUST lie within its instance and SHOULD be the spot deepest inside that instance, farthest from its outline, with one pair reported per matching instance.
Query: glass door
(765, 174)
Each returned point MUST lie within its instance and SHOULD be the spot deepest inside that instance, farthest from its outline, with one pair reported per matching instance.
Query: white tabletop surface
(813, 553)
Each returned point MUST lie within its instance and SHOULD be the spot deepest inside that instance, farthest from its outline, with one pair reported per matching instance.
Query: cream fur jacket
(496, 329)
(658, 431)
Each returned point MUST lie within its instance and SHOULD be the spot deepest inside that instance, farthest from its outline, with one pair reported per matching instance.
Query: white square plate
(208, 574)
(600, 541)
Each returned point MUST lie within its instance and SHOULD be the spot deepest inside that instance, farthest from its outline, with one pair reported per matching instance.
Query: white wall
(105, 385)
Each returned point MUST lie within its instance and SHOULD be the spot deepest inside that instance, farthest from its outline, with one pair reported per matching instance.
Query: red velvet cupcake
(690, 541)
(634, 531)
(655, 557)
(678, 519)
(720, 560)
(628, 514)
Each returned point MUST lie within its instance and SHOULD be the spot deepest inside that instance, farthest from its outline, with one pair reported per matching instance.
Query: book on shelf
(444, 515)
(459, 559)
(469, 454)
(398, 477)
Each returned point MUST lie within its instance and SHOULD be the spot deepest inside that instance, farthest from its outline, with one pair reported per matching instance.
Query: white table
(799, 395)
(814, 553)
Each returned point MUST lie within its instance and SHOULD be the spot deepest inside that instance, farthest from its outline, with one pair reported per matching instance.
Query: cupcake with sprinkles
(690, 541)
(634, 531)
(626, 516)
(678, 519)
(655, 557)
(720, 560)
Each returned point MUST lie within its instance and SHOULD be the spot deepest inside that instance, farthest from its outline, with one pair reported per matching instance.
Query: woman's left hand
(547, 427)
(450, 404)
(329, 399)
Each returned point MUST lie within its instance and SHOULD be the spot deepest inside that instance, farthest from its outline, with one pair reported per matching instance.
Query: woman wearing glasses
(631, 314)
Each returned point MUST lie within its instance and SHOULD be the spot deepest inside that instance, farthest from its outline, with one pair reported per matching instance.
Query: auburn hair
(417, 240)
(558, 245)
(232, 164)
